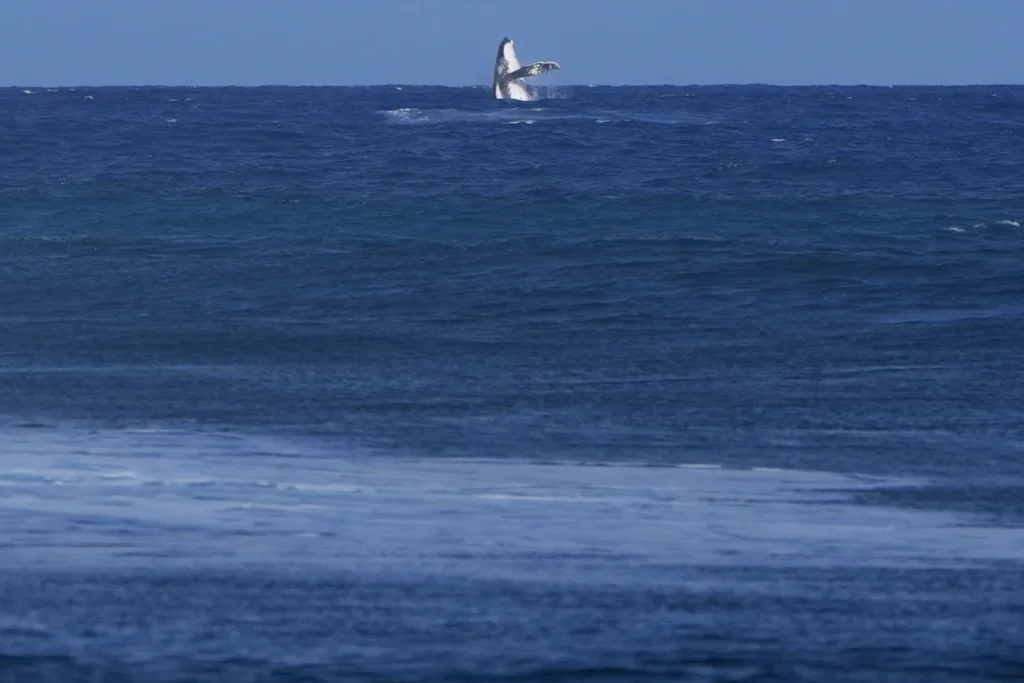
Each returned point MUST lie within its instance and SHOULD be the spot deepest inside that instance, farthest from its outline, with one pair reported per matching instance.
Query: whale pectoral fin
(535, 69)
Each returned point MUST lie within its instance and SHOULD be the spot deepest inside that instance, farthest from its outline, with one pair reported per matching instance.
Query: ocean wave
(414, 116)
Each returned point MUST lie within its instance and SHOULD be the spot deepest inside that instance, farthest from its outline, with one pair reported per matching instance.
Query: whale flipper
(508, 73)
(535, 69)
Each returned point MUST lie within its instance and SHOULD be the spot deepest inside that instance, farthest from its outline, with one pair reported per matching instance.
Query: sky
(454, 42)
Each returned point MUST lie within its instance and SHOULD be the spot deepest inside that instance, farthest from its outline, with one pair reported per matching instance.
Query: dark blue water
(720, 383)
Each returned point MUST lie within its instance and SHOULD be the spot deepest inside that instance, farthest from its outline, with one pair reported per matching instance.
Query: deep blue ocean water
(406, 384)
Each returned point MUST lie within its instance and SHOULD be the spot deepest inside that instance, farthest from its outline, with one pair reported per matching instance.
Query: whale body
(509, 73)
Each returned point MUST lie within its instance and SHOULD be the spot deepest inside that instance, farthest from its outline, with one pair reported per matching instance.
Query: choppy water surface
(406, 384)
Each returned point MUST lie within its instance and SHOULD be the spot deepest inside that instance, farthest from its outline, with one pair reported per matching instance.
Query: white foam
(512, 114)
(231, 498)
(1009, 222)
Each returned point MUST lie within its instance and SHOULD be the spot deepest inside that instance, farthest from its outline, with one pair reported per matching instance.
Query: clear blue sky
(453, 42)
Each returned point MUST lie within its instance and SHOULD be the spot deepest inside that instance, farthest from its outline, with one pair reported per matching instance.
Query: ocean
(407, 384)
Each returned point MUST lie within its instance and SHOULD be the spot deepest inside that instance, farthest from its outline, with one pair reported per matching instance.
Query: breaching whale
(508, 74)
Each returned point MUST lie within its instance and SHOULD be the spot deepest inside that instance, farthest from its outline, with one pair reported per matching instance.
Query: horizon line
(485, 86)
